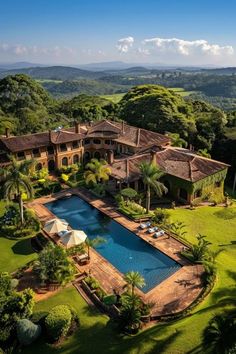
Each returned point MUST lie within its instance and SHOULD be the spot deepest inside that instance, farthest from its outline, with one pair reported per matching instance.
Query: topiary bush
(27, 331)
(58, 322)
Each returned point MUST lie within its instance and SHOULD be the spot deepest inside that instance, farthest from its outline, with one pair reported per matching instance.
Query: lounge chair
(63, 233)
(152, 229)
(145, 225)
(159, 233)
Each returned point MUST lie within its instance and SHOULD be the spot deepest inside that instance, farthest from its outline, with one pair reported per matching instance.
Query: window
(76, 159)
(97, 141)
(21, 155)
(86, 141)
(63, 147)
(75, 144)
(36, 153)
(50, 150)
(64, 161)
(107, 142)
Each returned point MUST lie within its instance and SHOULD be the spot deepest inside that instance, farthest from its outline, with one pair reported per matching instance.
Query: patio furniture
(63, 233)
(152, 229)
(159, 233)
(82, 259)
(145, 225)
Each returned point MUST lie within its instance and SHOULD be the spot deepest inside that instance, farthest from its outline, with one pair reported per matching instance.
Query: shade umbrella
(73, 238)
(55, 226)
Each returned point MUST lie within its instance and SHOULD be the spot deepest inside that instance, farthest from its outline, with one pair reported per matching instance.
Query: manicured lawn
(184, 336)
(14, 253)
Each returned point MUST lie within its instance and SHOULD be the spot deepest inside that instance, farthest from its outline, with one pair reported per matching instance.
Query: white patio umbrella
(73, 238)
(55, 226)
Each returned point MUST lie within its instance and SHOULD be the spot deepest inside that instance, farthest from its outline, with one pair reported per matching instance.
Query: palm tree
(134, 279)
(150, 174)
(93, 243)
(219, 336)
(97, 171)
(17, 182)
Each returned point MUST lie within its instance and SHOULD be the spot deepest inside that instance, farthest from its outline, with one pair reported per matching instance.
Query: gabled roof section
(26, 142)
(103, 128)
(64, 136)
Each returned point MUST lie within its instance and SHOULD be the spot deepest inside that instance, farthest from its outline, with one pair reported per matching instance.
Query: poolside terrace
(170, 296)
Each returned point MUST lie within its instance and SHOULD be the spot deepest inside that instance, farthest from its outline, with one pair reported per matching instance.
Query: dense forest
(26, 107)
(217, 86)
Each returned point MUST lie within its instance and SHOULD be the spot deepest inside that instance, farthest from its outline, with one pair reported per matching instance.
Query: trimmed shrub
(27, 331)
(58, 322)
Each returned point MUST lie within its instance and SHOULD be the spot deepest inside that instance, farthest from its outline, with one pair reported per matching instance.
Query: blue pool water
(122, 248)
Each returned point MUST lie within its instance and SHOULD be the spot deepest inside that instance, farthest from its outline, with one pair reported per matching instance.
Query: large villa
(187, 175)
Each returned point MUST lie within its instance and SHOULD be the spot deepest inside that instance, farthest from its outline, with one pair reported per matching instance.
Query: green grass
(115, 98)
(184, 336)
(14, 253)
(181, 91)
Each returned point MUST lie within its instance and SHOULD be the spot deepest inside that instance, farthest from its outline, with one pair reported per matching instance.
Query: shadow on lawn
(223, 296)
(23, 247)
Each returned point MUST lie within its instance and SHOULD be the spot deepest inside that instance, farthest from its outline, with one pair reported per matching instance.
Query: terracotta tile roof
(139, 137)
(26, 142)
(176, 162)
(32, 141)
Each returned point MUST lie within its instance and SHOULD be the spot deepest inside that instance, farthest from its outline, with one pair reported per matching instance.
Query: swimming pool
(123, 249)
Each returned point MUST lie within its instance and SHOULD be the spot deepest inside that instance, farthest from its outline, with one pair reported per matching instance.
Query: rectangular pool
(123, 249)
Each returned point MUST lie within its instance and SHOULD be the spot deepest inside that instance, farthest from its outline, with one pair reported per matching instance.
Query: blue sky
(151, 31)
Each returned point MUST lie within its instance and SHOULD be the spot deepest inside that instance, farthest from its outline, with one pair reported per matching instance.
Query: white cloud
(124, 44)
(188, 48)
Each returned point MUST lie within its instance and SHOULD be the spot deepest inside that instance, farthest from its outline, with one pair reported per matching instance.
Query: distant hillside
(53, 73)
(70, 88)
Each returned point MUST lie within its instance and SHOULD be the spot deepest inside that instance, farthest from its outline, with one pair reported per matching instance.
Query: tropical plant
(93, 243)
(97, 171)
(178, 228)
(219, 335)
(200, 251)
(130, 312)
(14, 306)
(161, 216)
(129, 193)
(150, 174)
(134, 279)
(53, 265)
(17, 181)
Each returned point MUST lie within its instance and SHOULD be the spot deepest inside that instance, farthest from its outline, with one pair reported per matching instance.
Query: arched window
(51, 165)
(86, 156)
(97, 155)
(39, 166)
(76, 159)
(183, 194)
(64, 161)
(97, 141)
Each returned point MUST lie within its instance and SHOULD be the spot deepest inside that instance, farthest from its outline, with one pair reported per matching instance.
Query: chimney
(123, 127)
(153, 157)
(138, 136)
(77, 128)
(110, 157)
(7, 132)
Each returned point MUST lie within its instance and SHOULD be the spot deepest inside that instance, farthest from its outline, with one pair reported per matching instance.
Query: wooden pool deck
(172, 295)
